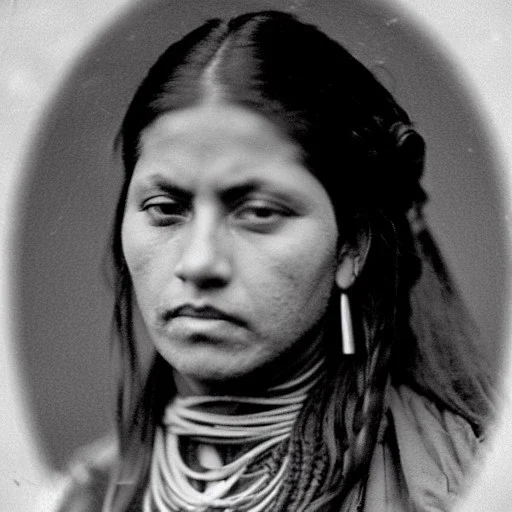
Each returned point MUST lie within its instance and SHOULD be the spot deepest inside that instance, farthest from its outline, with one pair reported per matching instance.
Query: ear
(351, 261)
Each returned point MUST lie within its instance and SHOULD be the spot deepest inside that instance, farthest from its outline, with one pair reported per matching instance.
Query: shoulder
(426, 455)
(82, 487)
(430, 433)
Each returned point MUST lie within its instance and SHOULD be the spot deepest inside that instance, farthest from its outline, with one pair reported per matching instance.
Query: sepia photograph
(256, 256)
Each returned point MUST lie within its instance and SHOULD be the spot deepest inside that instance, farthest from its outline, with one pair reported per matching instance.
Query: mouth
(203, 312)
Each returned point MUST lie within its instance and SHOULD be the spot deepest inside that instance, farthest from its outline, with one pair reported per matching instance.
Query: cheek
(146, 265)
(296, 283)
(135, 249)
(310, 280)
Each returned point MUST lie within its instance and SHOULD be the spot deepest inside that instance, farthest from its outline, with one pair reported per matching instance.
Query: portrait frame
(36, 365)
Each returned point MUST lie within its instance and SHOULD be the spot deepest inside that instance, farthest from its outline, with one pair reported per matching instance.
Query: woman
(311, 352)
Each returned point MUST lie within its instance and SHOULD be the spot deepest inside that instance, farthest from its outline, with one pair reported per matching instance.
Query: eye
(262, 215)
(163, 211)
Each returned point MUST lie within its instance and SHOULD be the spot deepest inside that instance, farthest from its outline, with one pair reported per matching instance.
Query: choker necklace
(234, 486)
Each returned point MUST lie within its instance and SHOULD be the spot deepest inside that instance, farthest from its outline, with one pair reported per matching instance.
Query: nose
(204, 261)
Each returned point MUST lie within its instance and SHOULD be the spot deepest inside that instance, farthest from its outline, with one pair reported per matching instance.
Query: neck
(236, 459)
(303, 356)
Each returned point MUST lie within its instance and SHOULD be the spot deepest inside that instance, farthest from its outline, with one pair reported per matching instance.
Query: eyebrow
(163, 184)
(236, 191)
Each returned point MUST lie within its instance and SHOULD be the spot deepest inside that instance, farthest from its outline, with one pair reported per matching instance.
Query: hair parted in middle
(361, 146)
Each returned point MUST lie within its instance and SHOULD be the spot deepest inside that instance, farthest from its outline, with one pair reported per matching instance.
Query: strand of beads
(232, 486)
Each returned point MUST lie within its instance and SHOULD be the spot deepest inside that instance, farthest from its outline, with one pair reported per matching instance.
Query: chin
(210, 366)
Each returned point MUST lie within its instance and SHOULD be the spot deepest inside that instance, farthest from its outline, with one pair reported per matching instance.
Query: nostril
(210, 282)
(203, 279)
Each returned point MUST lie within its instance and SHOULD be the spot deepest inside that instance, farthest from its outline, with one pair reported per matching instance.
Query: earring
(347, 332)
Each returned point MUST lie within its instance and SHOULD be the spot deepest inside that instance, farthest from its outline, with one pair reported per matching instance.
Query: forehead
(216, 140)
(210, 118)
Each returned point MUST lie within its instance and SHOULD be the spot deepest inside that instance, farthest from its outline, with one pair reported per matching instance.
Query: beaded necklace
(240, 485)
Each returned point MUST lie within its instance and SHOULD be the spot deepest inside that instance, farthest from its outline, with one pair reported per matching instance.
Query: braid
(319, 472)
(307, 458)
(344, 447)
(310, 448)
(367, 414)
(318, 478)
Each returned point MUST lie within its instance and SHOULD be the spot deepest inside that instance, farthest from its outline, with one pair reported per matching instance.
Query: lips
(204, 312)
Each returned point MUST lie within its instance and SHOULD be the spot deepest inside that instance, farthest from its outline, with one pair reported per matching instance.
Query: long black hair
(361, 145)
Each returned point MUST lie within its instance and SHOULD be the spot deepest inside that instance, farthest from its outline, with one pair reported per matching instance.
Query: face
(230, 242)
